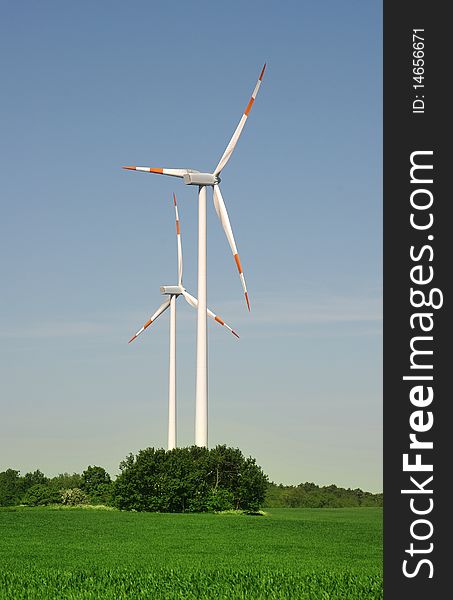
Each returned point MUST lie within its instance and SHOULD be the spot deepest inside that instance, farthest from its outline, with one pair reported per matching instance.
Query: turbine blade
(194, 302)
(234, 140)
(178, 238)
(162, 308)
(171, 172)
(222, 213)
(190, 299)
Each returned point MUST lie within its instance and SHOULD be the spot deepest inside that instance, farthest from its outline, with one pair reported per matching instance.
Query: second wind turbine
(173, 291)
(202, 180)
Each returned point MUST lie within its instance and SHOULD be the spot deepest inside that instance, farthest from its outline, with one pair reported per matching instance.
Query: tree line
(310, 495)
(181, 480)
(93, 486)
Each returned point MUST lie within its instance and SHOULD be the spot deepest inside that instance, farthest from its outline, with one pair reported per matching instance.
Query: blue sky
(85, 245)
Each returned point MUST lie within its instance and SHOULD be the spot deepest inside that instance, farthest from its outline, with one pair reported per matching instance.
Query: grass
(316, 554)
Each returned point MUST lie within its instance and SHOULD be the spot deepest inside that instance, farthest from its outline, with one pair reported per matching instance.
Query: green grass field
(316, 554)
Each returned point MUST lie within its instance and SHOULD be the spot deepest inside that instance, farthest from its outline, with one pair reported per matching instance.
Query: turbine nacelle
(195, 178)
(172, 290)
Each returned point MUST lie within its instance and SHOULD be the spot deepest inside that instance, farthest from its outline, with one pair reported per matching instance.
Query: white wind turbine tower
(202, 180)
(173, 291)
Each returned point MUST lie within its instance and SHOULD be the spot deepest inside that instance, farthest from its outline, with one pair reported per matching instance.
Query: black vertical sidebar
(417, 120)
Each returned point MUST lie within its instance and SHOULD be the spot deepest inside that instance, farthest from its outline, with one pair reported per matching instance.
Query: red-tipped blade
(222, 213)
(234, 140)
(172, 172)
(194, 302)
(162, 308)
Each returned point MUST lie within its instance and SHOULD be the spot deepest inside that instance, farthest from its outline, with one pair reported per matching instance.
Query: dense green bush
(189, 480)
(66, 481)
(219, 499)
(96, 483)
(41, 494)
(11, 487)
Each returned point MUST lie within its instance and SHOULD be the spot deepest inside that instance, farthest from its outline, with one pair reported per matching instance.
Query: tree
(93, 477)
(241, 476)
(41, 494)
(65, 481)
(35, 478)
(96, 483)
(11, 487)
(251, 490)
(146, 484)
(191, 479)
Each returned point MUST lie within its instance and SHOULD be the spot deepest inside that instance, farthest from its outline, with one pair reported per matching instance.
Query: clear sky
(90, 86)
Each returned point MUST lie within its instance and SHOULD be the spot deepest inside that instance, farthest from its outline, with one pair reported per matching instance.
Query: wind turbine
(173, 292)
(202, 180)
